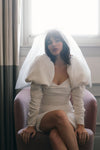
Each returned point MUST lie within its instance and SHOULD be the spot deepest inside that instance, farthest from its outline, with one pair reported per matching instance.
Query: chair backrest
(21, 107)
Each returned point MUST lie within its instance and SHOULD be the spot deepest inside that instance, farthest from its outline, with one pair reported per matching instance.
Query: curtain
(8, 70)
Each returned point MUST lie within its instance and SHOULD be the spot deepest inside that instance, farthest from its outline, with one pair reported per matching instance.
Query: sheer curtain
(8, 69)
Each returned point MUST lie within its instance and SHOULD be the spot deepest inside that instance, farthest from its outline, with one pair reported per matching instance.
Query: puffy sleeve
(34, 105)
(41, 71)
(78, 104)
(79, 73)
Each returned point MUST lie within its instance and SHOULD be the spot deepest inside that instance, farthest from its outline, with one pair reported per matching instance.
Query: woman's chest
(60, 74)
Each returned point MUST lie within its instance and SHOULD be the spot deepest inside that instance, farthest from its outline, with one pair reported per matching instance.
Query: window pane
(80, 17)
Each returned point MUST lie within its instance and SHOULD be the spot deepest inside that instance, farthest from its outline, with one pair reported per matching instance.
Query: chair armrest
(90, 143)
(21, 105)
(40, 140)
(90, 104)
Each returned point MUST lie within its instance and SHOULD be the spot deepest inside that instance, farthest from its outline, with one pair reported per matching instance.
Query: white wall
(92, 55)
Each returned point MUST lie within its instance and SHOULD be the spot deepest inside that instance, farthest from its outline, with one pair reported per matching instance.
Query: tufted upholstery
(41, 140)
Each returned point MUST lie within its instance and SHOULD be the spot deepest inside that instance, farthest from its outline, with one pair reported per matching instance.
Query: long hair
(65, 53)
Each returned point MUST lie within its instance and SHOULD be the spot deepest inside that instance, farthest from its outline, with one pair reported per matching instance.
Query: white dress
(56, 97)
(47, 96)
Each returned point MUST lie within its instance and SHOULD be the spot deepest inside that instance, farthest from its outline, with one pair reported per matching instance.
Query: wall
(92, 55)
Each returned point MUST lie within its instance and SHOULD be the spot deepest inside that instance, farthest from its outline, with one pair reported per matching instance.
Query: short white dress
(56, 97)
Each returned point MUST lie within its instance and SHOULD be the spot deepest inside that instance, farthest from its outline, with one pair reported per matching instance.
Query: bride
(57, 75)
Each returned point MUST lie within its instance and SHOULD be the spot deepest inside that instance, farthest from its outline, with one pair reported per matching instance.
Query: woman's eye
(49, 42)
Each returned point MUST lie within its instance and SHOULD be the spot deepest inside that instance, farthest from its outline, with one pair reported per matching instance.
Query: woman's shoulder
(40, 61)
(41, 71)
(78, 64)
(78, 72)
(75, 60)
(41, 58)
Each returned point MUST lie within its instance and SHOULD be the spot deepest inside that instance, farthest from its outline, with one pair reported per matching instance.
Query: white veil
(38, 48)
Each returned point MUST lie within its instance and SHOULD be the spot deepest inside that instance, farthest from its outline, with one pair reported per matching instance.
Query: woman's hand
(27, 132)
(81, 134)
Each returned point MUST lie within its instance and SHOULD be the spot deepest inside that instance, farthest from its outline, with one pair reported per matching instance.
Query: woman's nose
(53, 43)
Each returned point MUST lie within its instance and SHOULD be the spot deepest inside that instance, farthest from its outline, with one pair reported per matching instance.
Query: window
(79, 17)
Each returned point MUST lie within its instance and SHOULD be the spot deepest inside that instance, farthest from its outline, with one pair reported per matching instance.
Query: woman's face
(55, 46)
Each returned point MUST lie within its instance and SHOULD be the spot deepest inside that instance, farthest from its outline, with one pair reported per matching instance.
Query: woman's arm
(34, 105)
(78, 104)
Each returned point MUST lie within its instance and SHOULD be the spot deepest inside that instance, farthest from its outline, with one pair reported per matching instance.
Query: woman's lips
(55, 49)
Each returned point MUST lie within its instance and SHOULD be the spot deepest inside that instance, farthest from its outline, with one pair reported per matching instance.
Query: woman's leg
(56, 141)
(58, 119)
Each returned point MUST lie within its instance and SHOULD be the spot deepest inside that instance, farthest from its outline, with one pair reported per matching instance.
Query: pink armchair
(41, 140)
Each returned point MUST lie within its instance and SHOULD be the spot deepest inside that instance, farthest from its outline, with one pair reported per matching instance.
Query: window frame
(27, 38)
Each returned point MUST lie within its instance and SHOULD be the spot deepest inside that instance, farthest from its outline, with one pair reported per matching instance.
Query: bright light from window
(79, 17)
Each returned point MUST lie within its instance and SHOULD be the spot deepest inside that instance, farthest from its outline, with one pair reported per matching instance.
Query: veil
(38, 48)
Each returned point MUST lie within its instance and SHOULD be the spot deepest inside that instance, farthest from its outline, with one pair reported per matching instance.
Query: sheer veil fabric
(38, 48)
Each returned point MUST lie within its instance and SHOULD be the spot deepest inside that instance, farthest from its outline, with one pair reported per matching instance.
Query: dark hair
(65, 53)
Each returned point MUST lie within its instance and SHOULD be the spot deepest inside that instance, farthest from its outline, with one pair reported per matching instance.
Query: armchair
(41, 140)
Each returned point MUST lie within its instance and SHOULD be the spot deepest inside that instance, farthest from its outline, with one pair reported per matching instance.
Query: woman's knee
(53, 119)
(60, 116)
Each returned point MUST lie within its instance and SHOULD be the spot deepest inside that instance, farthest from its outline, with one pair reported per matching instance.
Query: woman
(56, 76)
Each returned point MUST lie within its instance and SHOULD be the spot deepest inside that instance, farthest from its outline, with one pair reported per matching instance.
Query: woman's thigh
(51, 119)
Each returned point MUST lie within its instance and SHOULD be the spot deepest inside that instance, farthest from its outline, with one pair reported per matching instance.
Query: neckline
(61, 83)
